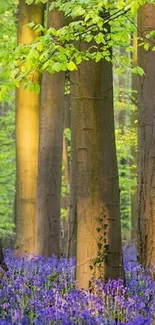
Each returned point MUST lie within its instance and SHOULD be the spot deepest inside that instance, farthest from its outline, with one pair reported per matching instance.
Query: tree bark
(146, 146)
(48, 226)
(27, 132)
(99, 252)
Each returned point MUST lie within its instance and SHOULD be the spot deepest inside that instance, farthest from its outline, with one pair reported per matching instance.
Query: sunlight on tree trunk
(146, 158)
(99, 251)
(27, 131)
(50, 156)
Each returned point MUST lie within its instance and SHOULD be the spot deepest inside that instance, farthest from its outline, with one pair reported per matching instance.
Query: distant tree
(48, 226)
(122, 116)
(65, 188)
(27, 132)
(72, 229)
(134, 127)
(146, 134)
(2, 261)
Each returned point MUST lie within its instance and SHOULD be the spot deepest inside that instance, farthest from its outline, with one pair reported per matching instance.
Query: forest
(77, 162)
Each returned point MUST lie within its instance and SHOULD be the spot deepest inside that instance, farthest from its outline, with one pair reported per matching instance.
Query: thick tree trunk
(96, 176)
(27, 132)
(50, 157)
(146, 155)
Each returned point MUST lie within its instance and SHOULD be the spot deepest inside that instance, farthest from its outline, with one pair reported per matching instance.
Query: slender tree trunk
(67, 125)
(50, 157)
(2, 261)
(27, 132)
(72, 223)
(123, 161)
(66, 161)
(146, 154)
(96, 176)
(65, 200)
(133, 119)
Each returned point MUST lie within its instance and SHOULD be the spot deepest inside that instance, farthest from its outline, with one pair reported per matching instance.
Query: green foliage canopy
(99, 24)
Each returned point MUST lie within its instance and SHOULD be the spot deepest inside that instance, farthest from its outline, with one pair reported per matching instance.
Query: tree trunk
(66, 161)
(146, 154)
(65, 199)
(133, 119)
(72, 222)
(27, 132)
(67, 125)
(2, 261)
(99, 252)
(50, 157)
(123, 161)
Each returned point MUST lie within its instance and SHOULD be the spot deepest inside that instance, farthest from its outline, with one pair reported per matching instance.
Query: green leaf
(134, 7)
(52, 6)
(78, 11)
(138, 70)
(120, 4)
(31, 25)
(37, 88)
(99, 38)
(146, 46)
(26, 84)
(71, 66)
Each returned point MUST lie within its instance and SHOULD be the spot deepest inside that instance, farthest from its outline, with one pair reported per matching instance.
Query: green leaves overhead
(99, 24)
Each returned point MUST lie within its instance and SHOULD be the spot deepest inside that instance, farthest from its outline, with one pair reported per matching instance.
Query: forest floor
(43, 292)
